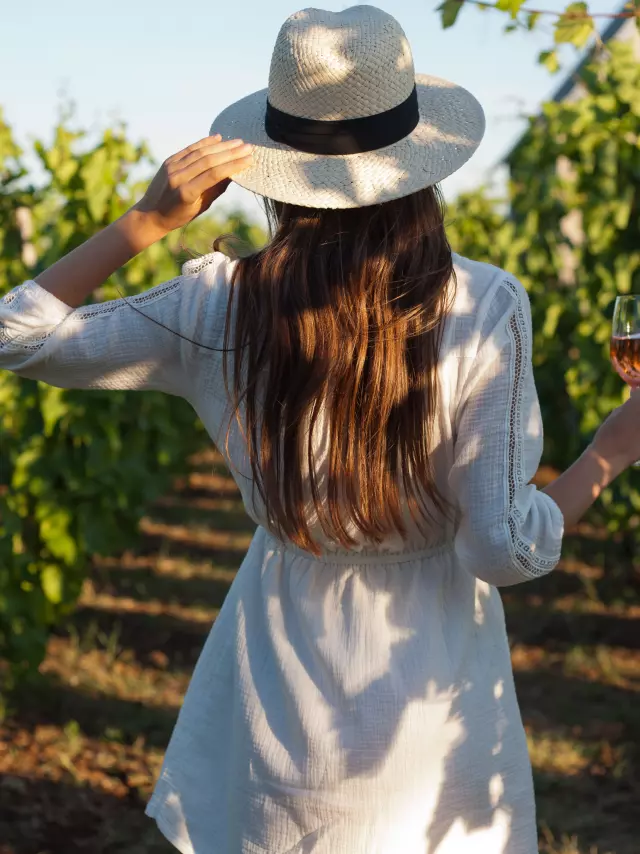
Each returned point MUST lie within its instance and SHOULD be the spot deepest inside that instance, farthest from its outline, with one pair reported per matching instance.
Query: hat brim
(450, 129)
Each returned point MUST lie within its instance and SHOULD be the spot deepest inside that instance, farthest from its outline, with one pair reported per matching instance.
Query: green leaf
(549, 58)
(532, 19)
(574, 26)
(449, 10)
(511, 6)
(52, 406)
(552, 317)
(51, 580)
(623, 207)
(23, 463)
(55, 522)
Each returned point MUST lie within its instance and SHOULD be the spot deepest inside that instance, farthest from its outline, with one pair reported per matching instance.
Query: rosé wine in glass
(625, 341)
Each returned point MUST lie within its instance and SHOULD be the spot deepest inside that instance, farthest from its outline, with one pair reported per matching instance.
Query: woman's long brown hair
(347, 304)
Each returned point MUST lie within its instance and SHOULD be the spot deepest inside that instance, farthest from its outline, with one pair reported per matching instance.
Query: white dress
(361, 703)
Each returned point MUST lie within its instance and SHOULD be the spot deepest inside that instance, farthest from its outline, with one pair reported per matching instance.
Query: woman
(355, 694)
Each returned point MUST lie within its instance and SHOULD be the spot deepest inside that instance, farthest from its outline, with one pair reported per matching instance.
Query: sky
(167, 69)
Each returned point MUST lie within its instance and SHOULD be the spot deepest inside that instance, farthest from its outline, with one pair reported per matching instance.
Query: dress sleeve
(509, 531)
(114, 344)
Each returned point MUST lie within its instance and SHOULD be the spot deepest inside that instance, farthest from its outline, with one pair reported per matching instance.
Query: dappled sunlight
(484, 839)
(557, 753)
(201, 536)
(107, 674)
(343, 82)
(531, 422)
(125, 604)
(336, 736)
(336, 49)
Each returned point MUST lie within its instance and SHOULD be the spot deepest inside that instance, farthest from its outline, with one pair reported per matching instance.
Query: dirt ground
(80, 751)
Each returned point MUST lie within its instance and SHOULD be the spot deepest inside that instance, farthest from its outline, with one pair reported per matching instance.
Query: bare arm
(79, 273)
(578, 487)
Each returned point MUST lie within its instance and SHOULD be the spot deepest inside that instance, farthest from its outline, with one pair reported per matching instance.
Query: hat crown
(340, 65)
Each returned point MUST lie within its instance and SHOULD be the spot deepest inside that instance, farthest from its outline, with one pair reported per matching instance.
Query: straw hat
(345, 121)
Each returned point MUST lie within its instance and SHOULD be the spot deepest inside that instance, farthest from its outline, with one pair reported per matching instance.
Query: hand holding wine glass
(616, 443)
(622, 428)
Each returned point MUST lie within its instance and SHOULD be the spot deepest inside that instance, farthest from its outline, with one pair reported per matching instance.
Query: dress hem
(156, 812)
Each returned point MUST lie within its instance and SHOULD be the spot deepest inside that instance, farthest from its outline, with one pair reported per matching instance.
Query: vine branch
(633, 13)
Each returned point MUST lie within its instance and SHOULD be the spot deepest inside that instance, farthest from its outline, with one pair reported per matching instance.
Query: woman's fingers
(203, 146)
(197, 175)
(195, 146)
(206, 162)
(203, 150)
(204, 181)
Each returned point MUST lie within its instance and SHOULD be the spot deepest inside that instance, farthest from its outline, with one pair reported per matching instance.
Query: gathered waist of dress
(355, 558)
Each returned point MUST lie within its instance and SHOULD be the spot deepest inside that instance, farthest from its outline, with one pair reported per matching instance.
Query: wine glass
(625, 341)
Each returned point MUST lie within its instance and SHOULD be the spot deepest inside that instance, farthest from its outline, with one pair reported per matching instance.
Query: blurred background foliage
(78, 469)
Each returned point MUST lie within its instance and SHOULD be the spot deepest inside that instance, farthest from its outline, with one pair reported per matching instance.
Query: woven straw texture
(330, 66)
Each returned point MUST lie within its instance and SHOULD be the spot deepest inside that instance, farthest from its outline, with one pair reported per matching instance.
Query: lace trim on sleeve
(196, 265)
(525, 553)
(30, 343)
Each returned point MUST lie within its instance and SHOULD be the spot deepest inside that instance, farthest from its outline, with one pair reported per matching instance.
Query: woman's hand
(618, 437)
(183, 188)
(188, 182)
